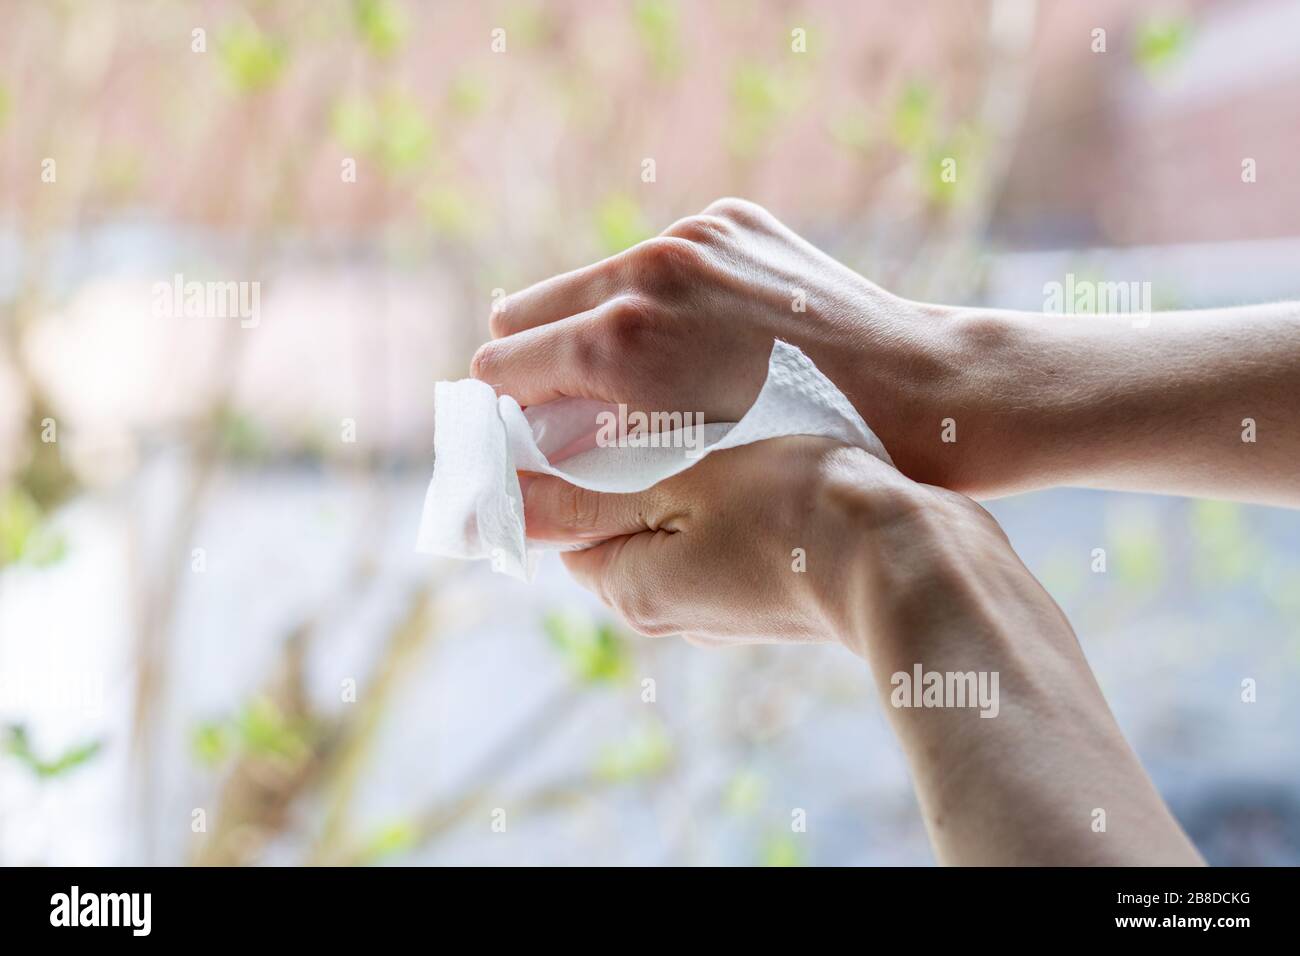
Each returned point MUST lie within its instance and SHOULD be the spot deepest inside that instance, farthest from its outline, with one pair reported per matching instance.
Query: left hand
(752, 544)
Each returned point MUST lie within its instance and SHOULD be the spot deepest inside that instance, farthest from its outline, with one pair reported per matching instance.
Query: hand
(686, 322)
(905, 575)
(984, 402)
(691, 556)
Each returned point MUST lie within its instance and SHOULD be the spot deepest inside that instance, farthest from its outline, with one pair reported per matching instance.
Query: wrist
(917, 567)
(979, 429)
(872, 521)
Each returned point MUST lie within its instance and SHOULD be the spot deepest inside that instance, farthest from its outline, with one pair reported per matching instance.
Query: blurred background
(217, 644)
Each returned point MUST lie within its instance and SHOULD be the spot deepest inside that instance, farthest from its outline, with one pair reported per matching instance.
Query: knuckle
(667, 267)
(483, 362)
(499, 321)
(576, 507)
(985, 518)
(703, 229)
(628, 321)
(641, 612)
(667, 255)
(584, 354)
(740, 211)
(956, 508)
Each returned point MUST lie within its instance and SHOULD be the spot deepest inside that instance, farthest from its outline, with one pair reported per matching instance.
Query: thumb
(557, 511)
(634, 575)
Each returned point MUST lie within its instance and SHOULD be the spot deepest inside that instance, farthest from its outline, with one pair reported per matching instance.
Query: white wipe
(473, 508)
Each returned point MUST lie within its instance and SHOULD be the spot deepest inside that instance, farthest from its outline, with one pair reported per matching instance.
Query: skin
(900, 573)
(901, 568)
(686, 321)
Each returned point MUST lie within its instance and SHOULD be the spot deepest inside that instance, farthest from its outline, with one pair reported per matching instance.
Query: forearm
(1197, 403)
(1034, 780)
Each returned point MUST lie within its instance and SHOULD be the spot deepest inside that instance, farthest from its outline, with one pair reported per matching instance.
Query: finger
(540, 365)
(629, 575)
(705, 640)
(564, 359)
(556, 298)
(559, 512)
(593, 568)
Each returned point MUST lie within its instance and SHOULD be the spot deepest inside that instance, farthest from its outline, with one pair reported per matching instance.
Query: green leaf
(1160, 42)
(526, 25)
(620, 224)
(962, 148)
(593, 651)
(18, 746)
(73, 758)
(47, 549)
(1281, 584)
(405, 133)
(25, 534)
(20, 517)
(645, 753)
(446, 210)
(914, 118)
(756, 90)
(252, 60)
(119, 171)
(211, 743)
(1225, 551)
(382, 25)
(744, 793)
(355, 123)
(782, 849)
(390, 839)
(265, 732)
(393, 129)
(656, 24)
(760, 97)
(1136, 554)
(467, 94)
(851, 129)
(239, 436)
